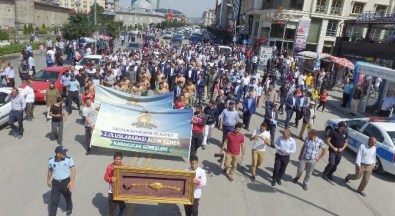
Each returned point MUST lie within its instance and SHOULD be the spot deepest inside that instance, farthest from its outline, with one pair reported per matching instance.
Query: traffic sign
(234, 39)
(245, 41)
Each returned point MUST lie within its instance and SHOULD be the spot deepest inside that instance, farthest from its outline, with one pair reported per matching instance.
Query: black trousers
(280, 165)
(333, 162)
(196, 142)
(322, 103)
(246, 118)
(88, 136)
(16, 116)
(11, 82)
(112, 205)
(298, 115)
(345, 99)
(192, 210)
(58, 188)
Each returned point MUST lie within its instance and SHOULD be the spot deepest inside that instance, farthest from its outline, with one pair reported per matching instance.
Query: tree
(30, 28)
(4, 35)
(43, 26)
(79, 26)
(25, 30)
(106, 22)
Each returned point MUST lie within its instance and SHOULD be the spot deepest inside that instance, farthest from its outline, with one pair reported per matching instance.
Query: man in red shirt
(198, 124)
(109, 177)
(234, 142)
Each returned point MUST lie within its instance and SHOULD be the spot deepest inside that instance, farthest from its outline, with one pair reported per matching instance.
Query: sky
(191, 8)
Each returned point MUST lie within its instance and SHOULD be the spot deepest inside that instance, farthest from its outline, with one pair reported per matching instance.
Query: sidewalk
(334, 101)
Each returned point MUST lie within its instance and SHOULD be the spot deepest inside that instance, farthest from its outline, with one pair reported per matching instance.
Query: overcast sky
(191, 8)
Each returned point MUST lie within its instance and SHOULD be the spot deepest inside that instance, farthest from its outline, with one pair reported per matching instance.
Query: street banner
(147, 130)
(302, 34)
(113, 96)
(265, 52)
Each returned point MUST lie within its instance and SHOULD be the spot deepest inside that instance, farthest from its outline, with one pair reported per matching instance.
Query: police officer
(61, 175)
(337, 141)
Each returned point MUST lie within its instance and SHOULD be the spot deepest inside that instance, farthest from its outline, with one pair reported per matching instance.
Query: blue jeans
(289, 116)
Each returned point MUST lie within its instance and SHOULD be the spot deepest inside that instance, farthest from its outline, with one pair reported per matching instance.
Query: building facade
(278, 22)
(17, 13)
(208, 18)
(84, 5)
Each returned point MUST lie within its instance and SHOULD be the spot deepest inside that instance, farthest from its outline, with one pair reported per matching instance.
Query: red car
(43, 78)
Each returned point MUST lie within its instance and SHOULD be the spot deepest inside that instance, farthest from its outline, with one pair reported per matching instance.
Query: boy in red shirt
(234, 142)
(109, 177)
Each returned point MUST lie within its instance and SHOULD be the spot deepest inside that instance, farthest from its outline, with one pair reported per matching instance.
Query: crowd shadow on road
(100, 202)
(47, 200)
(267, 188)
(211, 168)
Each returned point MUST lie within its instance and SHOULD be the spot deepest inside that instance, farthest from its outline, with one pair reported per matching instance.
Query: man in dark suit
(249, 108)
(271, 118)
(200, 84)
(301, 102)
(289, 108)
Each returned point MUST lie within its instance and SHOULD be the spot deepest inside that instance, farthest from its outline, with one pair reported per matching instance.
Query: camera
(221, 157)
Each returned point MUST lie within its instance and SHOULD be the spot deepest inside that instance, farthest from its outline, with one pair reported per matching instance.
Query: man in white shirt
(29, 99)
(260, 138)
(199, 181)
(366, 158)
(30, 62)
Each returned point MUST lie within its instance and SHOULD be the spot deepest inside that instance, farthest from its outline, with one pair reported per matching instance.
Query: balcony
(385, 49)
(321, 9)
(336, 11)
(331, 32)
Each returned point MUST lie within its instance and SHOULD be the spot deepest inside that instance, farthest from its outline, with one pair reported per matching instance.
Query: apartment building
(83, 5)
(282, 22)
(208, 18)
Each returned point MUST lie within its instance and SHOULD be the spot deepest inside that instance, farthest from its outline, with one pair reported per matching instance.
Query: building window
(321, 6)
(381, 9)
(336, 7)
(296, 4)
(331, 29)
(357, 8)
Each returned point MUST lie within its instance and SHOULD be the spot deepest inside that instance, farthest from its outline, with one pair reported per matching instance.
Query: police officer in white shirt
(60, 178)
(199, 181)
(366, 158)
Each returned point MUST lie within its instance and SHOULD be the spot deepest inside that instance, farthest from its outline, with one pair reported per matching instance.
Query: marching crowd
(218, 86)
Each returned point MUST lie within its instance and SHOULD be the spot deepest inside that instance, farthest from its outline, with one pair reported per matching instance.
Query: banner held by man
(165, 132)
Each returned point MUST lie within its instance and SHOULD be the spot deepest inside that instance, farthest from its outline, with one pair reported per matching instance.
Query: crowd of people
(218, 87)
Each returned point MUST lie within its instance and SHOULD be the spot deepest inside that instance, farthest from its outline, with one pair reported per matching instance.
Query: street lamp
(235, 22)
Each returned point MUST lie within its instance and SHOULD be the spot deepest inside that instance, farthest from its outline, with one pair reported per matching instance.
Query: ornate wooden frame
(153, 185)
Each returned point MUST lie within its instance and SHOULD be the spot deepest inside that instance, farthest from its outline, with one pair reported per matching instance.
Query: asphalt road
(24, 167)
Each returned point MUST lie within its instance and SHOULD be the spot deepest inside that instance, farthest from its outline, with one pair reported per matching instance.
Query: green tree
(106, 22)
(25, 30)
(4, 35)
(30, 28)
(79, 26)
(43, 26)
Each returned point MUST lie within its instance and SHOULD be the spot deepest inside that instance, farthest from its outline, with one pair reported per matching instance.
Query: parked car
(177, 39)
(43, 78)
(88, 59)
(5, 108)
(194, 39)
(134, 46)
(360, 129)
(168, 35)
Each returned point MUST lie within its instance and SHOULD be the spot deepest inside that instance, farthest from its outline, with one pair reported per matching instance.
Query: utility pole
(94, 15)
